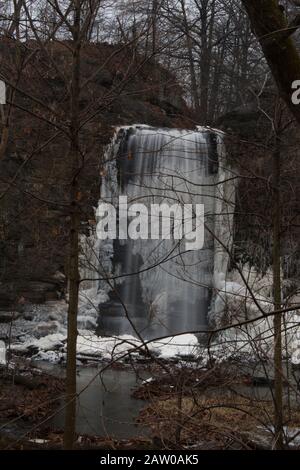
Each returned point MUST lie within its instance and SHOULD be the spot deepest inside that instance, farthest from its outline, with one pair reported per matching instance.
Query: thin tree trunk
(15, 21)
(70, 418)
(194, 86)
(205, 60)
(154, 25)
(214, 98)
(278, 418)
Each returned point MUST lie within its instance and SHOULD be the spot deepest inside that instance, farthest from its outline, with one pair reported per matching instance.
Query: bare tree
(274, 34)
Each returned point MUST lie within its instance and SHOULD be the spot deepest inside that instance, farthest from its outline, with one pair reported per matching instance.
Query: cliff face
(251, 142)
(35, 173)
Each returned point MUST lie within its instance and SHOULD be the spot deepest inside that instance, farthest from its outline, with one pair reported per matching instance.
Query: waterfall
(159, 285)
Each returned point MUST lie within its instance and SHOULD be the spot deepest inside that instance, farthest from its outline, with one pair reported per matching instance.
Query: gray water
(106, 407)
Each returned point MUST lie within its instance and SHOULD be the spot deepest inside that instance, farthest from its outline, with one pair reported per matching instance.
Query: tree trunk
(194, 86)
(154, 25)
(278, 418)
(15, 21)
(205, 61)
(271, 28)
(70, 418)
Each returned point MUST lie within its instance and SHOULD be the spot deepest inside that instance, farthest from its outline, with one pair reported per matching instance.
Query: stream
(106, 407)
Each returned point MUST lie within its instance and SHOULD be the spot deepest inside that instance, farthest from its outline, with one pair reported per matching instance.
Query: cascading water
(159, 286)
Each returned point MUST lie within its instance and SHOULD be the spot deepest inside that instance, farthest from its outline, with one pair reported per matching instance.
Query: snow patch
(183, 345)
(105, 347)
(53, 347)
(47, 343)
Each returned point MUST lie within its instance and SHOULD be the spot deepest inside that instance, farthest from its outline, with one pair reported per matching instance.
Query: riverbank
(146, 406)
(28, 396)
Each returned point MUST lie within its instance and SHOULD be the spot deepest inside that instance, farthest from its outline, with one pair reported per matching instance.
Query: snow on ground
(53, 347)
(183, 346)
(231, 344)
(291, 435)
(109, 348)
(44, 334)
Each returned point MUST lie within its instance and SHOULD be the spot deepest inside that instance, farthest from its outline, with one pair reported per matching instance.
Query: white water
(173, 289)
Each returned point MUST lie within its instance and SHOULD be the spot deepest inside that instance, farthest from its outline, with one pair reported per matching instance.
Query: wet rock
(7, 317)
(2, 353)
(45, 329)
(28, 316)
(38, 291)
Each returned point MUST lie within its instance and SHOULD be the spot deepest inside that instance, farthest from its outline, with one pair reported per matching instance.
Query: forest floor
(28, 396)
(219, 408)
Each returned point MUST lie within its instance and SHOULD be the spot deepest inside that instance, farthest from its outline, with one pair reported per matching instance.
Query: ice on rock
(294, 334)
(50, 356)
(2, 353)
(45, 328)
(88, 309)
(47, 343)
(235, 303)
(86, 322)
